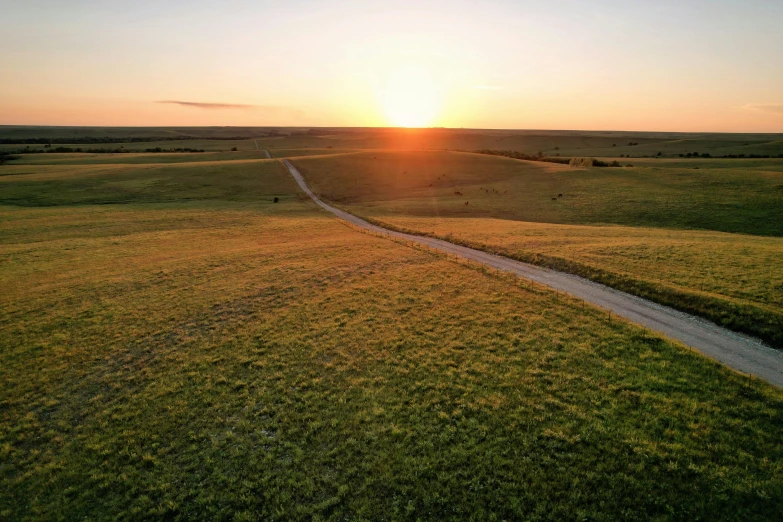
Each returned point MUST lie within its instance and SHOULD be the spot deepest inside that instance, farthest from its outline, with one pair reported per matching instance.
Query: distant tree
(614, 144)
(234, 149)
(660, 154)
(6, 156)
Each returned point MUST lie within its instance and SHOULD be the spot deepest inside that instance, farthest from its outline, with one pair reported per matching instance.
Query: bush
(5, 157)
(581, 162)
(521, 156)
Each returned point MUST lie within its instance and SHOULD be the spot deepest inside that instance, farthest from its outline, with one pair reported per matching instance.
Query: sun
(411, 98)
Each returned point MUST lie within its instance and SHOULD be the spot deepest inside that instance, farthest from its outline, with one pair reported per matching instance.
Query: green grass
(271, 363)
(46, 185)
(728, 278)
(133, 158)
(734, 280)
(424, 184)
(199, 352)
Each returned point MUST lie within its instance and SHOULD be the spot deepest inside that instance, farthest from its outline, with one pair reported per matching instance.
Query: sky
(686, 65)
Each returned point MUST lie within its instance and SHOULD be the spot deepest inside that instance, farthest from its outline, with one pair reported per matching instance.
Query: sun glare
(411, 98)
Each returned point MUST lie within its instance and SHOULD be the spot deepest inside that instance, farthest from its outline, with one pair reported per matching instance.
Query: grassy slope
(269, 362)
(45, 185)
(731, 279)
(218, 356)
(424, 183)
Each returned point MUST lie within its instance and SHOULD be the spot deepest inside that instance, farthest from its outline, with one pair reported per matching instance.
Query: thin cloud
(203, 105)
(774, 108)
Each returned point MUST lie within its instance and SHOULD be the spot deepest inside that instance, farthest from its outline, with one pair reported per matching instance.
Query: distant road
(736, 351)
(267, 154)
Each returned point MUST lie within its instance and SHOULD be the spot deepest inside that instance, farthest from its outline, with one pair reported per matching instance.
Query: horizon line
(370, 127)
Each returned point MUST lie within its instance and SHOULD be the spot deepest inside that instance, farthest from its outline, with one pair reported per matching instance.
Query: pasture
(176, 344)
(688, 239)
(298, 141)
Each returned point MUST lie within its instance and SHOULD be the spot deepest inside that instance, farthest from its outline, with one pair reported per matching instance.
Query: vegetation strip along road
(737, 351)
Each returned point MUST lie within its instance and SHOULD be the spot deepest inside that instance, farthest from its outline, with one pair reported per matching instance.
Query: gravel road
(736, 351)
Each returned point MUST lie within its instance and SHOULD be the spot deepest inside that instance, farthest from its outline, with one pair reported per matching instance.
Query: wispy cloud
(774, 108)
(203, 105)
(488, 87)
(267, 110)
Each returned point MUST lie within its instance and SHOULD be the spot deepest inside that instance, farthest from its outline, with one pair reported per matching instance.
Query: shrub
(6, 156)
(581, 162)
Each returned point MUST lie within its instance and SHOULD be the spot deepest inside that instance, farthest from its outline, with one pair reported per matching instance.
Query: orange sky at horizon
(508, 65)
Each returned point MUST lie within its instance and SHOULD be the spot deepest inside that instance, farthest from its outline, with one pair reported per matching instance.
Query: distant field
(177, 345)
(293, 153)
(199, 144)
(216, 355)
(563, 143)
(426, 183)
(731, 279)
(120, 158)
(48, 185)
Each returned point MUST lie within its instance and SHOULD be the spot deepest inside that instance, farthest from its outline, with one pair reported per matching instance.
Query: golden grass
(235, 359)
(730, 266)
(669, 248)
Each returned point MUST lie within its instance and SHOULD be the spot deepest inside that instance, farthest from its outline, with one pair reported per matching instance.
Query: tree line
(580, 162)
(106, 139)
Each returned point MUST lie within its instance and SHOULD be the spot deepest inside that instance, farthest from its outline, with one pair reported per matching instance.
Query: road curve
(736, 351)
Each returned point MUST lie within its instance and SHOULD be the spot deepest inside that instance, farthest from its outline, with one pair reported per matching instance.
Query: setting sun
(410, 98)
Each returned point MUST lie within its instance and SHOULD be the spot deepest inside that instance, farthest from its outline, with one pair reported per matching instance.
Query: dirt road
(735, 350)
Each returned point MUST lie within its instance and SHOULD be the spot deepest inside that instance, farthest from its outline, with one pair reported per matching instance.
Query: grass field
(46, 185)
(732, 279)
(564, 143)
(177, 345)
(132, 158)
(426, 183)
